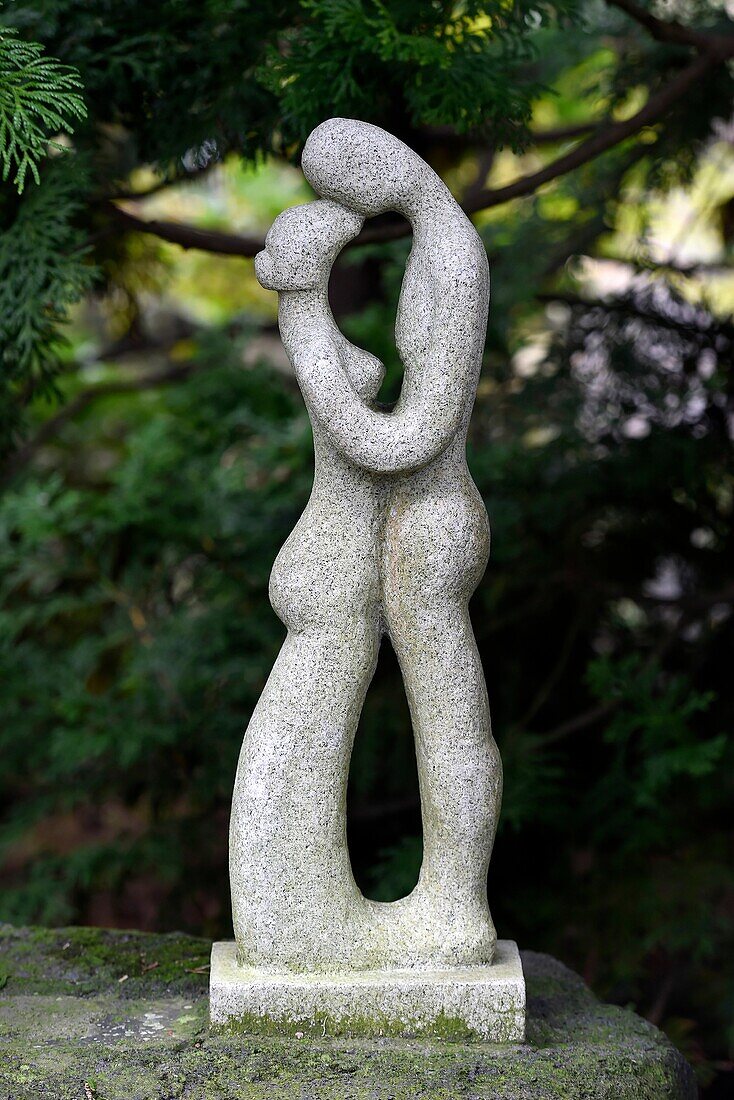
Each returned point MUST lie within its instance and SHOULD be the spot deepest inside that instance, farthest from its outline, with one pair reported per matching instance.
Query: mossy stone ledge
(90, 1014)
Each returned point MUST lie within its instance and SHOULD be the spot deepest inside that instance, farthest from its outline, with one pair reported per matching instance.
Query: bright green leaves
(39, 100)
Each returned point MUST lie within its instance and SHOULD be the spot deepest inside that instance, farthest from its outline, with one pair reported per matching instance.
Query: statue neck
(305, 313)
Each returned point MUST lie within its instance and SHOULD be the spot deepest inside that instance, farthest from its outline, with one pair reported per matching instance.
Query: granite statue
(393, 541)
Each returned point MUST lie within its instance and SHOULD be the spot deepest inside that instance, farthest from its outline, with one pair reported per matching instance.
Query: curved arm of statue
(410, 436)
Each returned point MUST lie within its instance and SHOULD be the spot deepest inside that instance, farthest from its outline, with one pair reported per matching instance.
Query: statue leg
(426, 582)
(294, 899)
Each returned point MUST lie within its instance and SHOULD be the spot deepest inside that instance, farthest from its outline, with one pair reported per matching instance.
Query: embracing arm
(411, 436)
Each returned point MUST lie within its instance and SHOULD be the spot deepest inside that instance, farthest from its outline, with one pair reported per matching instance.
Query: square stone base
(483, 1002)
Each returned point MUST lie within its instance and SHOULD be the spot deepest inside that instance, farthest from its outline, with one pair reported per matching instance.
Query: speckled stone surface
(394, 540)
(481, 1002)
(69, 1022)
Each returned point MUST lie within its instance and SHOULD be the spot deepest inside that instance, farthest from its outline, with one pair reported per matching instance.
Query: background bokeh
(156, 457)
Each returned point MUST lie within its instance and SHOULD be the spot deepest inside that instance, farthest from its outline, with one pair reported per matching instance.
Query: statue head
(302, 244)
(360, 165)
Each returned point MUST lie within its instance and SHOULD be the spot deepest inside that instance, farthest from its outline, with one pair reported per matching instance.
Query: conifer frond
(38, 101)
(43, 270)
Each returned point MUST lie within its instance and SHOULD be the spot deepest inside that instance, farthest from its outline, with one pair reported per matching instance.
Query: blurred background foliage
(155, 454)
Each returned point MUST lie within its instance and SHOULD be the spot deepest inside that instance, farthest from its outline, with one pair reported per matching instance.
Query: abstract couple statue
(394, 540)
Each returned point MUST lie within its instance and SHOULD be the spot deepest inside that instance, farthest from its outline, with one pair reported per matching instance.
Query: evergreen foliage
(42, 273)
(38, 98)
(359, 58)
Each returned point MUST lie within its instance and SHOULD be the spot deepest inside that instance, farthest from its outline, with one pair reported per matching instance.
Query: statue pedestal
(85, 1005)
(483, 1002)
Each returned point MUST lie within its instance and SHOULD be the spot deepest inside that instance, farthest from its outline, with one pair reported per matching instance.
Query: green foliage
(536, 781)
(149, 596)
(39, 98)
(654, 740)
(181, 85)
(43, 270)
(175, 79)
(361, 58)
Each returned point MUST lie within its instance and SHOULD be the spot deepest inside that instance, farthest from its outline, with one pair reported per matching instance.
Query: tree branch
(675, 33)
(230, 243)
(447, 136)
(188, 236)
(555, 134)
(605, 138)
(52, 426)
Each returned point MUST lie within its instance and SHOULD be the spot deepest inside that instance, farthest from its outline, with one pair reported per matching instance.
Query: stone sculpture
(394, 540)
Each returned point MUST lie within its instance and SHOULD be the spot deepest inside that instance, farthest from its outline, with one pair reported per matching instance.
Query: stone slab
(482, 1002)
(68, 1020)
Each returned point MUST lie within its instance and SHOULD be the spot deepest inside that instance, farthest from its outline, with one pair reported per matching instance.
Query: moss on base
(67, 1021)
(85, 961)
(444, 1028)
